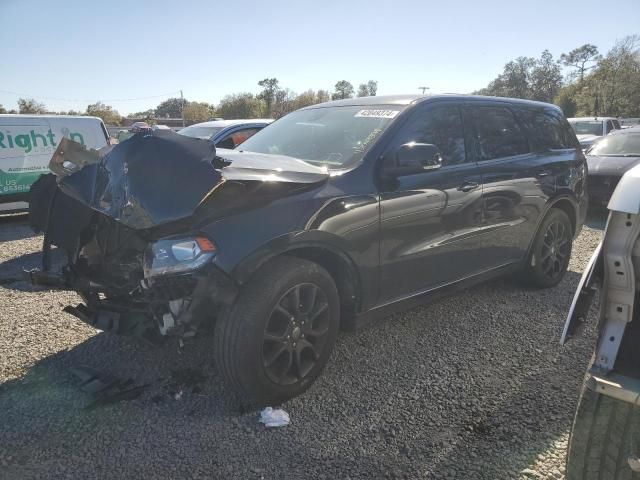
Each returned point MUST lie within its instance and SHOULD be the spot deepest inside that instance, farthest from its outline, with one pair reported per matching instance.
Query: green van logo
(28, 141)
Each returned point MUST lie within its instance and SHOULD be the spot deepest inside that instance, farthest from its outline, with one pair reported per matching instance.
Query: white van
(27, 143)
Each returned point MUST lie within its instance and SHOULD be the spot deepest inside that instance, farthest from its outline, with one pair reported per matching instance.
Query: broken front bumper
(173, 305)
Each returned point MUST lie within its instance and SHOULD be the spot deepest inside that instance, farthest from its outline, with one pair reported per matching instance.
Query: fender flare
(289, 243)
(548, 206)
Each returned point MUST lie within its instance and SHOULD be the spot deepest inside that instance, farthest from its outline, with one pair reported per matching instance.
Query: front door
(429, 219)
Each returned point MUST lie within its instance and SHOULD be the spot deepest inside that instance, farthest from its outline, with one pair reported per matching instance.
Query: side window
(439, 126)
(609, 126)
(616, 125)
(236, 138)
(498, 133)
(546, 130)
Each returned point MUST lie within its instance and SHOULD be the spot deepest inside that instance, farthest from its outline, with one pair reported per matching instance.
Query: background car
(608, 160)
(226, 133)
(26, 145)
(589, 129)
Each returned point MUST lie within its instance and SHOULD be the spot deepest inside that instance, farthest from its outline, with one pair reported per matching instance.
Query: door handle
(543, 173)
(468, 186)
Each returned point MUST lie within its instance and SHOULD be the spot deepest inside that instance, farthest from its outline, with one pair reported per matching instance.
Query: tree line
(594, 84)
(273, 101)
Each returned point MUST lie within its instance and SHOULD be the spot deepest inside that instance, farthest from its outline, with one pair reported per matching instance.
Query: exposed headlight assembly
(177, 255)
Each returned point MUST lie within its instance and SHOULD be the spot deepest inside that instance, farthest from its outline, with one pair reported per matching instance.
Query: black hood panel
(161, 177)
(146, 180)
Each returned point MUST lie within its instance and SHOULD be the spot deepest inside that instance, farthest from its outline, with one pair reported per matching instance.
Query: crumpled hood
(264, 167)
(154, 179)
(614, 166)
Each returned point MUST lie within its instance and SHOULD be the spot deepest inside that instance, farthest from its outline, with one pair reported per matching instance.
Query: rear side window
(547, 130)
(609, 126)
(236, 138)
(497, 132)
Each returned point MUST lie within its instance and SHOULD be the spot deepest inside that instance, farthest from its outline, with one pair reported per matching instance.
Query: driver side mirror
(412, 158)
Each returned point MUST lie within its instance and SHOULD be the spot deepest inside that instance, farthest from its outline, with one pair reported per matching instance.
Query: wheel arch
(335, 260)
(564, 203)
(568, 207)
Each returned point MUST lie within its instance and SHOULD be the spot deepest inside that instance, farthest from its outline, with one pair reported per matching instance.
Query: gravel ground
(475, 386)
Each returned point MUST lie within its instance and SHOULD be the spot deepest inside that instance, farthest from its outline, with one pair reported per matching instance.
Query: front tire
(605, 431)
(550, 252)
(277, 337)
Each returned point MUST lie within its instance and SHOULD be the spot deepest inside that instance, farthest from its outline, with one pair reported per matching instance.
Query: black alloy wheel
(295, 334)
(555, 249)
(550, 252)
(276, 338)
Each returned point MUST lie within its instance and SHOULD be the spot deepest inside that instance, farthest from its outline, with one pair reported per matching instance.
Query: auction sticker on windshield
(377, 113)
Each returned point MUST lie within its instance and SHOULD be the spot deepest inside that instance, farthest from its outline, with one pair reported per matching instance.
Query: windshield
(197, 131)
(587, 128)
(616, 145)
(331, 136)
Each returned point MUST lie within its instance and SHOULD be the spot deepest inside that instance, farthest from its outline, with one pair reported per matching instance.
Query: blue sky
(114, 50)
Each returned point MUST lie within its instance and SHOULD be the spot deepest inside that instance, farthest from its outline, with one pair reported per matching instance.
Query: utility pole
(423, 89)
(182, 109)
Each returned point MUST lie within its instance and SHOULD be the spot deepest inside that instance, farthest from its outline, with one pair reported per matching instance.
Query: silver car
(226, 133)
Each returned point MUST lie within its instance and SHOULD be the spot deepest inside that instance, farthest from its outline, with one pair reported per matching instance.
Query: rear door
(517, 181)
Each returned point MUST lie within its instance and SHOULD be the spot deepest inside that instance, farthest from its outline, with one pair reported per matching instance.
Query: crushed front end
(131, 254)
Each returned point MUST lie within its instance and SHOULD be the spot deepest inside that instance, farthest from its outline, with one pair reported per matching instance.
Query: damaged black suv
(331, 216)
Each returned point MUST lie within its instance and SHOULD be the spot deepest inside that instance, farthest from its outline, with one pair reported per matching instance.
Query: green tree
(529, 78)
(372, 87)
(343, 89)
(105, 112)
(145, 115)
(269, 92)
(566, 99)
(514, 81)
(368, 89)
(196, 112)
(2, 109)
(579, 58)
(305, 99)
(170, 108)
(322, 96)
(545, 78)
(241, 105)
(613, 88)
(285, 102)
(30, 105)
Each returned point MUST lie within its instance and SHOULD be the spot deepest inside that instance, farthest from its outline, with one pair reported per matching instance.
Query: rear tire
(604, 431)
(550, 252)
(277, 337)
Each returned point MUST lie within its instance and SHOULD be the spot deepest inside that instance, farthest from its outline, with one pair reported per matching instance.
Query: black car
(333, 215)
(608, 159)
